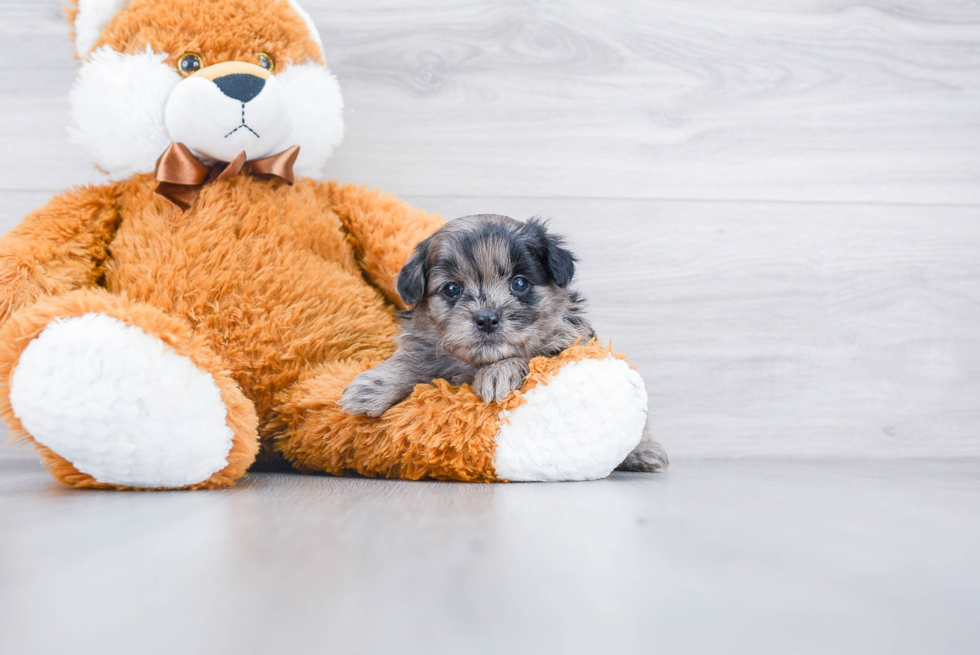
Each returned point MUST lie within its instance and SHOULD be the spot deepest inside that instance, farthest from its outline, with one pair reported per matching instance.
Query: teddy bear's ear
(310, 25)
(88, 18)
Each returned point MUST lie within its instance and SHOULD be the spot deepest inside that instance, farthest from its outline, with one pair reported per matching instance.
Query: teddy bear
(205, 307)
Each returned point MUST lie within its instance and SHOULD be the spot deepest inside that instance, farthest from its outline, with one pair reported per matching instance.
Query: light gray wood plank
(735, 557)
(817, 100)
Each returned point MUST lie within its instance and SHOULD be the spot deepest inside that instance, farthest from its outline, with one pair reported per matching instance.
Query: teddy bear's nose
(240, 86)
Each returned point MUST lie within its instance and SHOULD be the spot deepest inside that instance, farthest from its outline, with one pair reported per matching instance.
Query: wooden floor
(742, 556)
(777, 210)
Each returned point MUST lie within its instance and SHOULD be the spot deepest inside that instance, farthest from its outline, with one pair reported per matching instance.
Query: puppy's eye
(266, 62)
(452, 290)
(189, 63)
(519, 285)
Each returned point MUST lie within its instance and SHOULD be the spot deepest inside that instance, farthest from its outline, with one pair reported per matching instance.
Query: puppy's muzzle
(487, 320)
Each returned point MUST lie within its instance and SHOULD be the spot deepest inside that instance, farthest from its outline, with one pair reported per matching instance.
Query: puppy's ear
(412, 277)
(550, 248)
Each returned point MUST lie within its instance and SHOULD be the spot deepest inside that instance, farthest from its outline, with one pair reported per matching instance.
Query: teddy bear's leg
(577, 417)
(117, 394)
(439, 431)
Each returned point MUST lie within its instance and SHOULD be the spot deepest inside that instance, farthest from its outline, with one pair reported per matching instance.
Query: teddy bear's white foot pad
(578, 426)
(120, 405)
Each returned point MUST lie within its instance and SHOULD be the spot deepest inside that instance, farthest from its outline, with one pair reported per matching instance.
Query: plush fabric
(144, 345)
(97, 391)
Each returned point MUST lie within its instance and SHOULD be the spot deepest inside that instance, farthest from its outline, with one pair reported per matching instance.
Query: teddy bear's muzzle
(238, 80)
(240, 87)
(229, 108)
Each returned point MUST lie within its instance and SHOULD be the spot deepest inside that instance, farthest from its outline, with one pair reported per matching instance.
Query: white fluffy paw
(578, 426)
(120, 405)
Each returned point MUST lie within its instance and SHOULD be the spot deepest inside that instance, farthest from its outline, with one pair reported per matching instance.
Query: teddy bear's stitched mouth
(256, 134)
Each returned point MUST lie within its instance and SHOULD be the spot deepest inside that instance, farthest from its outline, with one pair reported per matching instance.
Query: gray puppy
(488, 294)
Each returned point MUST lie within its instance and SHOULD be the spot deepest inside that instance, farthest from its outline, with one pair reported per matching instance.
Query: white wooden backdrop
(776, 203)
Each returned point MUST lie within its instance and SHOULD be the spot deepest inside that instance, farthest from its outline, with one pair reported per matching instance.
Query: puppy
(488, 293)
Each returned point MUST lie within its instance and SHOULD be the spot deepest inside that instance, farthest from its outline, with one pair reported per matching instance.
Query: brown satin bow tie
(182, 175)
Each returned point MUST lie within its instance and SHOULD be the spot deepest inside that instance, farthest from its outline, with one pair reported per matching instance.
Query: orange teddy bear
(207, 306)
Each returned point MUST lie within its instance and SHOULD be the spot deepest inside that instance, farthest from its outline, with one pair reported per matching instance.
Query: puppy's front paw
(496, 381)
(369, 394)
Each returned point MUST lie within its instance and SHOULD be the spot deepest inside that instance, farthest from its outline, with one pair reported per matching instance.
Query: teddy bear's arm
(382, 230)
(57, 248)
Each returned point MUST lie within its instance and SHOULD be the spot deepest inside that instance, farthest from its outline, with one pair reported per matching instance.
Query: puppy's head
(490, 287)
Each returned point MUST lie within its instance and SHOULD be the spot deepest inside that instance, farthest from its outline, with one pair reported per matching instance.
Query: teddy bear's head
(220, 76)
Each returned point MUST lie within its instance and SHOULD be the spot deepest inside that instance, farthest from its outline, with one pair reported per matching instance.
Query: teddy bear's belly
(269, 304)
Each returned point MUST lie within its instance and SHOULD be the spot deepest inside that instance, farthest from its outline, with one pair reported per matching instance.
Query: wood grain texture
(772, 329)
(776, 209)
(711, 557)
(819, 100)
(814, 327)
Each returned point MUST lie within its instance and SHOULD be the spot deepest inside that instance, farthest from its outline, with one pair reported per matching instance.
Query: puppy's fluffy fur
(488, 293)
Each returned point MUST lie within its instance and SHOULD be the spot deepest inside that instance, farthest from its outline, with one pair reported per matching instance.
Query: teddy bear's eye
(265, 61)
(189, 63)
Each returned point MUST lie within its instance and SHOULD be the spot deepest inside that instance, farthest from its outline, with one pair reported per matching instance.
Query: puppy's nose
(240, 86)
(487, 320)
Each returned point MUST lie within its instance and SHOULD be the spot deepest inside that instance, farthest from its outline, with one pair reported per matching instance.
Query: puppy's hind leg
(648, 457)
(377, 389)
